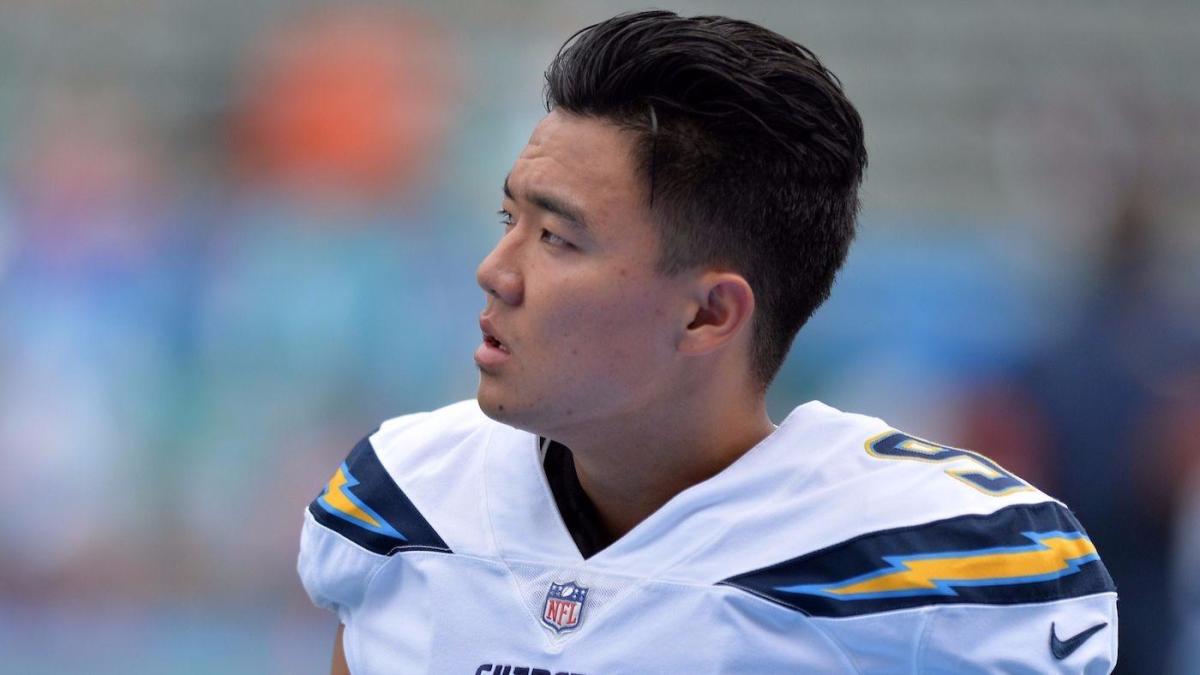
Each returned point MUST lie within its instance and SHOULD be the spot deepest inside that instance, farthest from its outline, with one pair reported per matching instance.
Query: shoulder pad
(1025, 553)
(363, 504)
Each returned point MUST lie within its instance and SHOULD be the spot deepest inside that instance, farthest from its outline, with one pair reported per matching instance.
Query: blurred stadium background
(236, 235)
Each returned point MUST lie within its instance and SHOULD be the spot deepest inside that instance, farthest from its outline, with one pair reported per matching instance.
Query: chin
(494, 405)
(507, 412)
(492, 408)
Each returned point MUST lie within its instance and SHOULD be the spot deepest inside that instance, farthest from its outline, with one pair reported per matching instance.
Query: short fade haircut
(750, 149)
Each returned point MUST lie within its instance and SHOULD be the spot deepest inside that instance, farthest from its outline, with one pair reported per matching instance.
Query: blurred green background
(235, 236)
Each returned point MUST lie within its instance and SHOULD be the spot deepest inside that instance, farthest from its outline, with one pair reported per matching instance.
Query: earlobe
(724, 305)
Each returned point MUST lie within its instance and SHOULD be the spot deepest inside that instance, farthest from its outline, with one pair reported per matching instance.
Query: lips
(489, 336)
(493, 352)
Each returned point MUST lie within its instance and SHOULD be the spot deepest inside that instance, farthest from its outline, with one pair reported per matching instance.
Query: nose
(498, 274)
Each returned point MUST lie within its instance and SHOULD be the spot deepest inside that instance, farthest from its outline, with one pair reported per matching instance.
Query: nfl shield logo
(564, 606)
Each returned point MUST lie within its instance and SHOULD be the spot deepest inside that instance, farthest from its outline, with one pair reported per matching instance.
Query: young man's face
(586, 327)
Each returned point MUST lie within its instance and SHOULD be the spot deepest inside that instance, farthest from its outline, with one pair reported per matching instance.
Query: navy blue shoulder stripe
(1019, 554)
(362, 503)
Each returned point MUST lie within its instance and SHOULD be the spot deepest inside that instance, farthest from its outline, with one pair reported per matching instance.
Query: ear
(723, 305)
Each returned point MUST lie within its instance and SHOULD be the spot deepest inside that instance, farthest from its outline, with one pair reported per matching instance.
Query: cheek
(620, 330)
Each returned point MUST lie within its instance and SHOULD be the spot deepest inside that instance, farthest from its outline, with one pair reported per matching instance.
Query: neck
(631, 467)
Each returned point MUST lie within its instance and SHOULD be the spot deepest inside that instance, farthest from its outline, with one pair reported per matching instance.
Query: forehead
(587, 161)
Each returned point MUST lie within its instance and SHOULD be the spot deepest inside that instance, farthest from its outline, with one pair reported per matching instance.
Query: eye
(506, 218)
(555, 240)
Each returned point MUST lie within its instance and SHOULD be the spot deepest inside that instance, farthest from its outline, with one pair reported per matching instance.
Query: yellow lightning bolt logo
(338, 500)
(1051, 556)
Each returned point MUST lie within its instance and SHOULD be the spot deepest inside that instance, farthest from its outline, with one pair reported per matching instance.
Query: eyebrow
(563, 209)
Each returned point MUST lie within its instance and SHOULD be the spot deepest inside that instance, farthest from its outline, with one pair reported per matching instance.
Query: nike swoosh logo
(1061, 649)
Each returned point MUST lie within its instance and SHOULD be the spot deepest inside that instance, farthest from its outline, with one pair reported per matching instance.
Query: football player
(616, 498)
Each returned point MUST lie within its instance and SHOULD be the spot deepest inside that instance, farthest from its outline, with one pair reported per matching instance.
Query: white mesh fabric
(534, 582)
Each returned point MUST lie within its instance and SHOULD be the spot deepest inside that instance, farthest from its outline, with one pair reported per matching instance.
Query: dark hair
(752, 153)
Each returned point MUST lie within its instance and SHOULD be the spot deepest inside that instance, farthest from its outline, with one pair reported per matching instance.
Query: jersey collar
(527, 526)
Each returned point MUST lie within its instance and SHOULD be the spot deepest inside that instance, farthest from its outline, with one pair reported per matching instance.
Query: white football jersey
(837, 544)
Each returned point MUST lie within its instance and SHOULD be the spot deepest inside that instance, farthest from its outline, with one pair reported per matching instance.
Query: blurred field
(235, 236)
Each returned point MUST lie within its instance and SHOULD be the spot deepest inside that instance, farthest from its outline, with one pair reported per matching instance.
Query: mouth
(493, 342)
(492, 353)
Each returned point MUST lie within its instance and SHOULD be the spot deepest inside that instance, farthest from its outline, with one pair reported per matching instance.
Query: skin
(645, 377)
(339, 667)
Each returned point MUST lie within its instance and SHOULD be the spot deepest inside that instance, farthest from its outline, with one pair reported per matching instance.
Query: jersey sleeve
(1021, 590)
(358, 521)
(334, 574)
(1077, 635)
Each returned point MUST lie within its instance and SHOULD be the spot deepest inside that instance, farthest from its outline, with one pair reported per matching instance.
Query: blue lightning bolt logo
(1051, 556)
(339, 501)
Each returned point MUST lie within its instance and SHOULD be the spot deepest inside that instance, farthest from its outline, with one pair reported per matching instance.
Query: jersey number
(976, 470)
